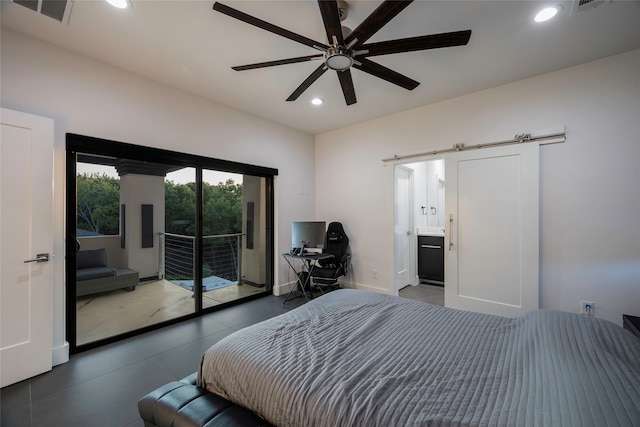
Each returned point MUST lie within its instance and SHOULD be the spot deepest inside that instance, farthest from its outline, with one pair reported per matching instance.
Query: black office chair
(327, 271)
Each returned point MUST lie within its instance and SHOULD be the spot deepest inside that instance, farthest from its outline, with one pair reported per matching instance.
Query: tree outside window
(98, 204)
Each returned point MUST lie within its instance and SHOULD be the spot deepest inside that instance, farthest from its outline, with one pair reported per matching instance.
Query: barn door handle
(39, 258)
(450, 231)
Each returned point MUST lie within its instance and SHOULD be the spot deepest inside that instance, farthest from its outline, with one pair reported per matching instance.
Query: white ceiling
(187, 45)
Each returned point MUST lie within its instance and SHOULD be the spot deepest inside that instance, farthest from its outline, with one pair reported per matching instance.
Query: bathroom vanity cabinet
(431, 259)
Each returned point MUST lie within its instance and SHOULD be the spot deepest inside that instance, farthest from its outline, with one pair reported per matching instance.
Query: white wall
(589, 195)
(87, 97)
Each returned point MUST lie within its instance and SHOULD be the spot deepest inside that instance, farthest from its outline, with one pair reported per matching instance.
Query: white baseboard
(283, 288)
(366, 288)
(60, 355)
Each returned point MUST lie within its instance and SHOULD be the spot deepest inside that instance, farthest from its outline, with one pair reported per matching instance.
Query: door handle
(450, 231)
(431, 246)
(39, 258)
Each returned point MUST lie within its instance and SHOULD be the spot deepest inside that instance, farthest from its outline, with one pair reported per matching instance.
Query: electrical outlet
(375, 274)
(587, 308)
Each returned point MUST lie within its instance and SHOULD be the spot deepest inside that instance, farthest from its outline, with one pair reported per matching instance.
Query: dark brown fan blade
(385, 73)
(331, 19)
(308, 82)
(278, 62)
(378, 19)
(411, 44)
(347, 86)
(229, 11)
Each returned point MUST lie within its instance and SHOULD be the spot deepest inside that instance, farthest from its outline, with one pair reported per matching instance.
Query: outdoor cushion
(94, 273)
(90, 258)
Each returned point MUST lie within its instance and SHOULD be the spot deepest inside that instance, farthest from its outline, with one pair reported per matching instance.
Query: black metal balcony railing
(221, 256)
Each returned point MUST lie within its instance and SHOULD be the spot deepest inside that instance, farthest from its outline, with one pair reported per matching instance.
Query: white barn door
(26, 226)
(491, 248)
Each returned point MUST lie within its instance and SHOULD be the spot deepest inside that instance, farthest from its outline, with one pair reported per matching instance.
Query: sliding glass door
(153, 242)
(231, 253)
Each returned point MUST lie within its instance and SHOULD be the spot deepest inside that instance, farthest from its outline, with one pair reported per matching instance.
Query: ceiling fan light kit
(345, 46)
(338, 58)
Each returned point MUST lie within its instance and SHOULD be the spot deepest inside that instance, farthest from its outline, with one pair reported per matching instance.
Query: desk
(302, 272)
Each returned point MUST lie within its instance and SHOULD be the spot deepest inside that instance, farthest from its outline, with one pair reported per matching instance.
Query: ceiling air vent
(582, 5)
(60, 10)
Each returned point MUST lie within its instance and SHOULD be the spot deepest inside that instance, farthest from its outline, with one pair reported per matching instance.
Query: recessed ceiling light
(120, 4)
(547, 13)
(317, 101)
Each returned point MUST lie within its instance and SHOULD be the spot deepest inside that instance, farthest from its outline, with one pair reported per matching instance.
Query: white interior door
(26, 225)
(403, 227)
(491, 258)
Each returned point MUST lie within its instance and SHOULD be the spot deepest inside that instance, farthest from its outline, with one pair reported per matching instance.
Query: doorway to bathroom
(419, 214)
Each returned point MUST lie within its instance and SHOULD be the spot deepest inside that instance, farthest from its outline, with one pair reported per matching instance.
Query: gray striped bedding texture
(357, 358)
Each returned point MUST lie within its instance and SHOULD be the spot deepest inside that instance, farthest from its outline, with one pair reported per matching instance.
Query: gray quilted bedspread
(356, 358)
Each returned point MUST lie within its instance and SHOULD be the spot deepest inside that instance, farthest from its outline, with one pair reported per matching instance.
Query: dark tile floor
(101, 387)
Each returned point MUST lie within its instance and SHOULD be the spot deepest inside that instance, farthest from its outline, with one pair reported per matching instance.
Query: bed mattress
(357, 358)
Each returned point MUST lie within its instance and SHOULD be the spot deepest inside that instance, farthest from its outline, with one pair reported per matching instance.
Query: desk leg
(302, 278)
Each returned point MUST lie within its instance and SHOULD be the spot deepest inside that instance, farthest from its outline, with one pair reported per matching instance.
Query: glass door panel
(178, 241)
(125, 209)
(233, 252)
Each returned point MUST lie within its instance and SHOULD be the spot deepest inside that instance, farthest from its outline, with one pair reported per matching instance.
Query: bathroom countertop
(430, 231)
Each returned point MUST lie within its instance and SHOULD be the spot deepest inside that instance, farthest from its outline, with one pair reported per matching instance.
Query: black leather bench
(183, 404)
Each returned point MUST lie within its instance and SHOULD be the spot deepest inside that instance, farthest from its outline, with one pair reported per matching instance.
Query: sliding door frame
(76, 144)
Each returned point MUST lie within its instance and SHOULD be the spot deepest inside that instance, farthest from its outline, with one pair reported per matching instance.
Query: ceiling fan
(350, 50)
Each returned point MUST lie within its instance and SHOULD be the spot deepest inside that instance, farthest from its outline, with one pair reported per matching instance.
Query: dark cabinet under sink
(431, 259)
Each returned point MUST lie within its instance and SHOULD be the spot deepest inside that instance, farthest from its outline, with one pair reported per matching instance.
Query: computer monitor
(308, 234)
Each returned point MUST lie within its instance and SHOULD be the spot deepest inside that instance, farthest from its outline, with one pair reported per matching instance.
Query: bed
(357, 358)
